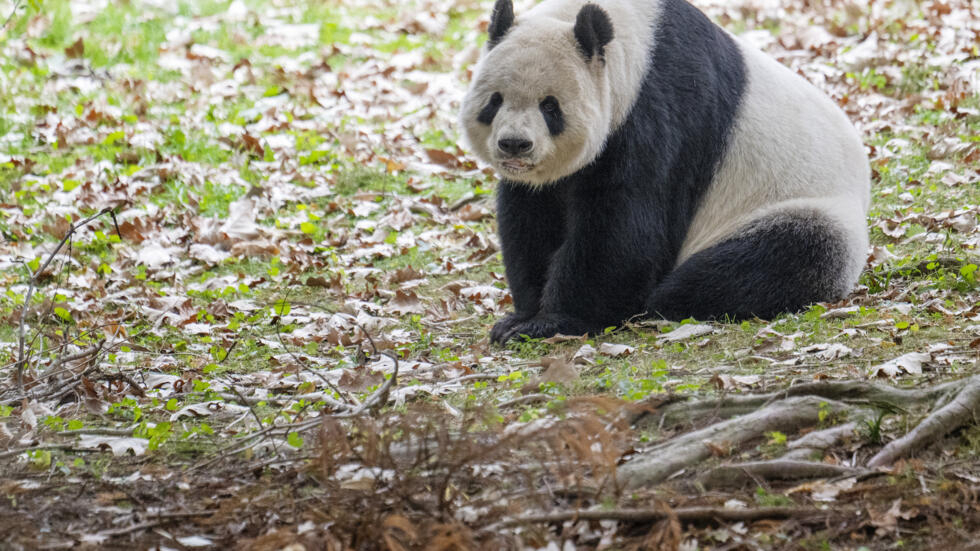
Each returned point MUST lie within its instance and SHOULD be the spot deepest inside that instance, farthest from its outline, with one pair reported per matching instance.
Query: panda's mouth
(517, 166)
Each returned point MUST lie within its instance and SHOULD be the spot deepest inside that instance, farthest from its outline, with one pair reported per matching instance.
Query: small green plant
(872, 427)
(766, 499)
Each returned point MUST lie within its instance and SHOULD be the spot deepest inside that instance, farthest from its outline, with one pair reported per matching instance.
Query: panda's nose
(514, 146)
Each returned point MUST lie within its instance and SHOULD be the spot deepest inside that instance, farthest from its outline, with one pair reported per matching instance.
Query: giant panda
(651, 164)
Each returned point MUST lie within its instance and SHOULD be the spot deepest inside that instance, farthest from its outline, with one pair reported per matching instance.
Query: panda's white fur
(790, 151)
(823, 169)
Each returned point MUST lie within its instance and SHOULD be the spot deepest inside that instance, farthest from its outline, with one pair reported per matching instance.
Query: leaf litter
(290, 204)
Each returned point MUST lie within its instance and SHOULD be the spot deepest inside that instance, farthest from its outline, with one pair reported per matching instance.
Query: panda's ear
(593, 30)
(500, 21)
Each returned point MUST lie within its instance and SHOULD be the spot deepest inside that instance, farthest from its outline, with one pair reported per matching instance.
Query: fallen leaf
(616, 350)
(584, 355)
(119, 445)
(76, 50)
(685, 332)
(406, 302)
(910, 363)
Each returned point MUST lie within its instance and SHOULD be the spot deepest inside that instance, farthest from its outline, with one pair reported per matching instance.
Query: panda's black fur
(598, 247)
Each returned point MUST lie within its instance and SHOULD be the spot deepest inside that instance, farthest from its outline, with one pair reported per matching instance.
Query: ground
(270, 332)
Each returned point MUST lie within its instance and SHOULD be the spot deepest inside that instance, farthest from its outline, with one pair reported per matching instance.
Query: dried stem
(21, 358)
(11, 16)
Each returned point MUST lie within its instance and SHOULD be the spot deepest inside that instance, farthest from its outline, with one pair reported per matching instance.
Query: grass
(328, 174)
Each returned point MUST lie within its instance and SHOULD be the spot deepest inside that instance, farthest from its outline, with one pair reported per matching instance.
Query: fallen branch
(963, 409)
(727, 476)
(687, 514)
(790, 415)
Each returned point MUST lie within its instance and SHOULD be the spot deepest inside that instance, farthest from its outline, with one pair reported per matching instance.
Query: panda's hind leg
(779, 263)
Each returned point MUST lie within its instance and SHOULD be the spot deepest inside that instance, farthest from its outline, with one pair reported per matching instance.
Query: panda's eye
(553, 117)
(489, 110)
(549, 104)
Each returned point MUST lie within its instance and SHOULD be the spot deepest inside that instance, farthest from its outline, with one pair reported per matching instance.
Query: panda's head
(538, 108)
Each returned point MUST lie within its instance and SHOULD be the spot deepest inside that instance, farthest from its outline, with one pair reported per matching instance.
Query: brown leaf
(472, 213)
(442, 158)
(251, 144)
(359, 380)
(392, 165)
(260, 248)
(557, 370)
(133, 230)
(406, 302)
(886, 522)
(722, 449)
(559, 338)
(396, 530)
(76, 50)
(407, 273)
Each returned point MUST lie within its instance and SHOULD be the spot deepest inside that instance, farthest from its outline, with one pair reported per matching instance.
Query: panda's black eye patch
(553, 117)
(489, 110)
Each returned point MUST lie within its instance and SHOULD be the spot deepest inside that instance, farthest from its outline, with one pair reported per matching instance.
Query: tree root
(788, 416)
(750, 417)
(741, 474)
(851, 392)
(964, 408)
(818, 441)
(687, 514)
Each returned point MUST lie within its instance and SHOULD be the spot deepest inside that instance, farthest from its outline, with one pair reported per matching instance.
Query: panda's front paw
(536, 327)
(502, 329)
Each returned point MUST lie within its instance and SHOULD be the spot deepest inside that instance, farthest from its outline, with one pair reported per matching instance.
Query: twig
(98, 432)
(963, 409)
(687, 514)
(134, 528)
(21, 359)
(18, 451)
(11, 16)
(57, 392)
(301, 362)
(529, 399)
(81, 354)
(380, 396)
(255, 414)
(475, 377)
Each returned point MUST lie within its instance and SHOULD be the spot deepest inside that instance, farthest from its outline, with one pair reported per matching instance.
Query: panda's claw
(503, 330)
(543, 326)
